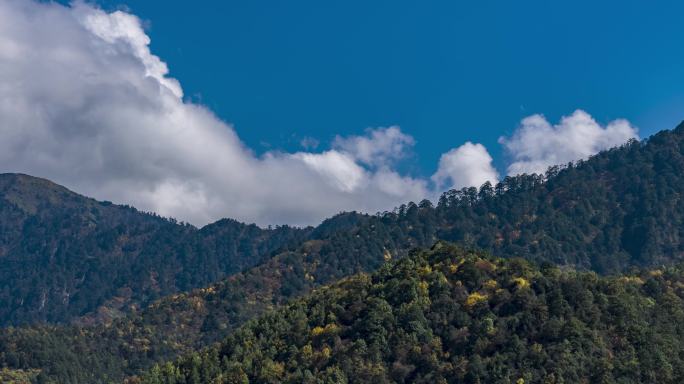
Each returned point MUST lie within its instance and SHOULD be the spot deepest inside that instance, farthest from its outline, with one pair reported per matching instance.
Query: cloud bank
(84, 102)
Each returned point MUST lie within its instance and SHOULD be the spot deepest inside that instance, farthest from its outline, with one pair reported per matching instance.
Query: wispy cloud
(379, 147)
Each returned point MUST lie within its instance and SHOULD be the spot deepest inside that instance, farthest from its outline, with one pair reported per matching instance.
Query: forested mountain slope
(619, 210)
(450, 315)
(64, 255)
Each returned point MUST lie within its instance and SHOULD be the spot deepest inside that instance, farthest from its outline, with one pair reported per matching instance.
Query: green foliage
(412, 322)
(619, 210)
(65, 256)
(18, 376)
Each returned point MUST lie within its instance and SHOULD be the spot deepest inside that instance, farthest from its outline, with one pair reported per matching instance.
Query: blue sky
(444, 71)
(198, 112)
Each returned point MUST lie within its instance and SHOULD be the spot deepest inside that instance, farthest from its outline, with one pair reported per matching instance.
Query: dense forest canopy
(65, 256)
(452, 315)
(615, 212)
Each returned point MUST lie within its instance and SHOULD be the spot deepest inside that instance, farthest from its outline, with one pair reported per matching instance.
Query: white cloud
(537, 144)
(84, 102)
(465, 166)
(340, 169)
(122, 28)
(381, 146)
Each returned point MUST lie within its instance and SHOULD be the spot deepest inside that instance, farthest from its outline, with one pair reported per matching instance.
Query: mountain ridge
(67, 256)
(618, 210)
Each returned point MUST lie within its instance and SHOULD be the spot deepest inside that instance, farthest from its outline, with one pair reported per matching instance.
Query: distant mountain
(456, 316)
(64, 256)
(619, 210)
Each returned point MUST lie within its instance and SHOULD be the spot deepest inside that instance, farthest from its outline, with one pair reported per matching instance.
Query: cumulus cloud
(84, 102)
(340, 169)
(537, 144)
(465, 166)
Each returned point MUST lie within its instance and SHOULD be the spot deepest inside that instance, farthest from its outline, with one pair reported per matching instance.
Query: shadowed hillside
(65, 256)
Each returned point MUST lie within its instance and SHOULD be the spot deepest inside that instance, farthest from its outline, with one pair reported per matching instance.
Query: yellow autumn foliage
(521, 282)
(631, 280)
(491, 284)
(329, 329)
(423, 287)
(475, 298)
(453, 268)
(326, 352)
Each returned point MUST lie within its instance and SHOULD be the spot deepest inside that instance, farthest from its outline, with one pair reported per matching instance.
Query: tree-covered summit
(454, 315)
(614, 212)
(65, 256)
(68, 256)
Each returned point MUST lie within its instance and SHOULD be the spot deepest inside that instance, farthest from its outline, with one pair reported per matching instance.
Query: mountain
(617, 211)
(452, 315)
(65, 256)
